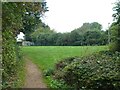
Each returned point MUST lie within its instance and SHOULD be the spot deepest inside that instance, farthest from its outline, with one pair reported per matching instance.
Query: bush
(59, 73)
(97, 71)
(114, 46)
(57, 84)
(61, 64)
(48, 72)
(11, 60)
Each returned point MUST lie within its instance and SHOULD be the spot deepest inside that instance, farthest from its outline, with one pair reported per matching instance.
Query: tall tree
(31, 19)
(115, 29)
(94, 26)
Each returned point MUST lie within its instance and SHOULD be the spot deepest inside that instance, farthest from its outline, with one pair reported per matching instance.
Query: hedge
(10, 60)
(99, 71)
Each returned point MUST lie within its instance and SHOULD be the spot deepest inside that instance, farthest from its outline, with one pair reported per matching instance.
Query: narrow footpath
(33, 76)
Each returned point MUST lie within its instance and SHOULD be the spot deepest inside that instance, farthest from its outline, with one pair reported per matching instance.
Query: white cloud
(66, 15)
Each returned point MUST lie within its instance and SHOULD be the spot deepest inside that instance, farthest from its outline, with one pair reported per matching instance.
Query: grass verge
(21, 74)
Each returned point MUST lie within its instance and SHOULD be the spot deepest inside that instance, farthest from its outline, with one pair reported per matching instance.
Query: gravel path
(33, 76)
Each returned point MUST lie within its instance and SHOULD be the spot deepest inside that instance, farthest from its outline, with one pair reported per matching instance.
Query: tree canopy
(87, 34)
(115, 29)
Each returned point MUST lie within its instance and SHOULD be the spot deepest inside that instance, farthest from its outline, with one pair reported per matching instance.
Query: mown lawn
(46, 56)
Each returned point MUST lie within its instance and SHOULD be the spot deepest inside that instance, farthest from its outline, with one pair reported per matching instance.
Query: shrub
(48, 72)
(97, 71)
(61, 64)
(114, 46)
(57, 84)
(10, 60)
(59, 73)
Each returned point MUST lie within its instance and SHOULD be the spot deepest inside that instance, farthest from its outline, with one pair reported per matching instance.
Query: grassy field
(46, 56)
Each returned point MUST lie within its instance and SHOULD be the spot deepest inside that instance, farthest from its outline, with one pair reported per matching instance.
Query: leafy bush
(48, 72)
(61, 64)
(57, 84)
(59, 73)
(98, 71)
(11, 63)
(114, 46)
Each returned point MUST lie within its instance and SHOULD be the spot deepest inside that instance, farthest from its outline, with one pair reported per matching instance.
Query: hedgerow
(11, 59)
(14, 19)
(99, 71)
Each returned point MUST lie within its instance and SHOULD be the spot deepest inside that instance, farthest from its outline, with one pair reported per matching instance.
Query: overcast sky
(66, 15)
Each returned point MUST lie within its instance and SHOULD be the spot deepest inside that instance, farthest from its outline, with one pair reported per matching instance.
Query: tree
(95, 26)
(115, 29)
(76, 38)
(12, 24)
(42, 32)
(90, 27)
(88, 34)
(31, 19)
(92, 37)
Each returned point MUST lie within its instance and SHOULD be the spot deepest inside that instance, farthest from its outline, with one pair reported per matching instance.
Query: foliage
(92, 38)
(12, 24)
(117, 13)
(9, 59)
(41, 34)
(94, 26)
(97, 71)
(115, 37)
(115, 29)
(11, 18)
(55, 84)
(32, 17)
(88, 34)
(48, 72)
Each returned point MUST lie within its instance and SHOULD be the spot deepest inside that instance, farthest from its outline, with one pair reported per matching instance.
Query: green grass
(21, 74)
(46, 56)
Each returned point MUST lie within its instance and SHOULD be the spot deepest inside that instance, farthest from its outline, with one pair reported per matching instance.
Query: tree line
(87, 34)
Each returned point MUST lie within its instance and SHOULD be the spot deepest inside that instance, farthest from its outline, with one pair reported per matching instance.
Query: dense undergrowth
(12, 63)
(100, 71)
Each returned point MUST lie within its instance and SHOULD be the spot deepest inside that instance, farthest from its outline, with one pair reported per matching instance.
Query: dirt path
(33, 76)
